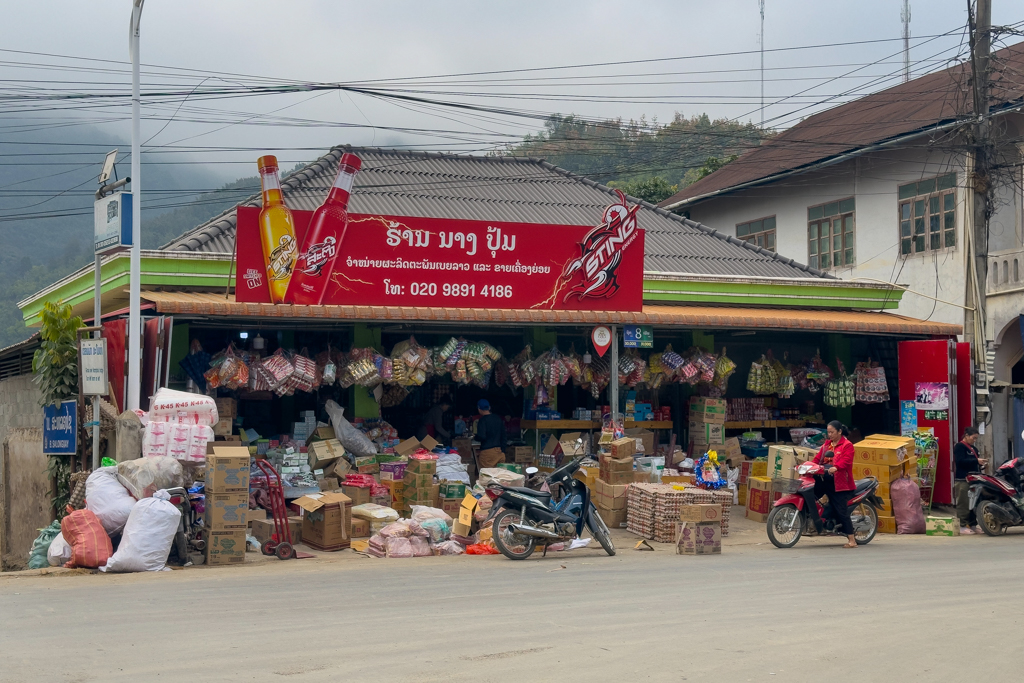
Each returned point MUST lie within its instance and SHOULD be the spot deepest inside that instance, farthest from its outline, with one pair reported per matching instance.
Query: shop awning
(718, 317)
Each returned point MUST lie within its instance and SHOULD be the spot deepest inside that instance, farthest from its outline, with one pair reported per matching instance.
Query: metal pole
(97, 321)
(762, 64)
(134, 285)
(613, 385)
(905, 18)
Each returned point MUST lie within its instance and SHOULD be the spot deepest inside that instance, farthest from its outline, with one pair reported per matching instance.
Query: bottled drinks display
(277, 231)
(323, 239)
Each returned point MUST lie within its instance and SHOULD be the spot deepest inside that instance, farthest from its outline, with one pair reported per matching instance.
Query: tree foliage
(55, 363)
(653, 190)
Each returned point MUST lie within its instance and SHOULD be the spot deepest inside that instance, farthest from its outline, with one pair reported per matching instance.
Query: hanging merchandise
(724, 367)
(705, 364)
(840, 392)
(762, 379)
(196, 363)
(871, 384)
(785, 387)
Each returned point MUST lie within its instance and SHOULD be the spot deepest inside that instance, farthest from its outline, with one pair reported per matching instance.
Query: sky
(406, 49)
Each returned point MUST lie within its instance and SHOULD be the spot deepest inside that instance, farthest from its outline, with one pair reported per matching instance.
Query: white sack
(147, 538)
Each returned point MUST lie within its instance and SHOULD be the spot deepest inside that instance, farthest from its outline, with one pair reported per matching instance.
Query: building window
(760, 232)
(928, 215)
(830, 229)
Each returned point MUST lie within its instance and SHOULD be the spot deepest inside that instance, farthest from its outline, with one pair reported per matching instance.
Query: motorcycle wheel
(511, 545)
(865, 523)
(988, 521)
(780, 519)
(599, 530)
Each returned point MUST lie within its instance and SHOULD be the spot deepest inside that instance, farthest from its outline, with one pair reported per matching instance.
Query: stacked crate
(707, 424)
(886, 458)
(420, 488)
(227, 504)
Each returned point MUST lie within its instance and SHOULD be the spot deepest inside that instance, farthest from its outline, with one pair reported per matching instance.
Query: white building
(876, 190)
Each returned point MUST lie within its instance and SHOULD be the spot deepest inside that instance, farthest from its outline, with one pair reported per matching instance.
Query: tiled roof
(722, 317)
(919, 105)
(403, 183)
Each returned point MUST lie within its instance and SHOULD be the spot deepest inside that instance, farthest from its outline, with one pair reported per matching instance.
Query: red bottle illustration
(323, 239)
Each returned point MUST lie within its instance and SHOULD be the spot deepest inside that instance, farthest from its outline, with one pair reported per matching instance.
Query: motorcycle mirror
(530, 471)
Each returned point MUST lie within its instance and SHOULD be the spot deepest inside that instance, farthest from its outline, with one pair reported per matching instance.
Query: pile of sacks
(427, 532)
(180, 425)
(129, 501)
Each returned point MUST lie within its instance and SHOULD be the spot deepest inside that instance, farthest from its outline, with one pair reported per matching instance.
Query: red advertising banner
(416, 261)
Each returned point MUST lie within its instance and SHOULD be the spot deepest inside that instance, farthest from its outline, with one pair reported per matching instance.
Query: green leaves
(55, 363)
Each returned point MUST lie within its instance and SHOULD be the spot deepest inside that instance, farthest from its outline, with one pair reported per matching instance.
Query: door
(928, 377)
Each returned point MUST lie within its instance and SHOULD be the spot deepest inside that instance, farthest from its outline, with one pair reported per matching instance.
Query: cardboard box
(452, 489)
(709, 410)
(367, 465)
(941, 526)
(464, 446)
(782, 462)
(522, 454)
(644, 439)
(422, 466)
(226, 511)
(417, 481)
(883, 473)
(758, 468)
(360, 528)
(707, 433)
(321, 434)
(256, 515)
(613, 519)
(227, 470)
(551, 445)
(886, 525)
(588, 475)
(623, 448)
(326, 520)
(339, 469)
(617, 471)
(358, 496)
(429, 443)
(224, 427)
(324, 453)
(731, 450)
(609, 496)
(393, 471)
(407, 447)
(263, 529)
(224, 546)
(701, 513)
(421, 496)
(451, 506)
(461, 529)
(613, 463)
(570, 444)
(328, 483)
(227, 408)
(741, 494)
(699, 538)
(879, 452)
(759, 498)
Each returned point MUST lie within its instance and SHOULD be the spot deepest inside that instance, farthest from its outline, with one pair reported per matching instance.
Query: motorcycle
(998, 501)
(526, 517)
(788, 520)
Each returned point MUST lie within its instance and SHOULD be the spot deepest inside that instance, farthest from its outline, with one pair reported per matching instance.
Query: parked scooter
(788, 519)
(527, 517)
(998, 501)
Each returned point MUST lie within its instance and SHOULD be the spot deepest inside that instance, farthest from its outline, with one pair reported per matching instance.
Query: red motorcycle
(789, 520)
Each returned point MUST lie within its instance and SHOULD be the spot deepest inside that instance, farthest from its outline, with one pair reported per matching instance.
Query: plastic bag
(397, 547)
(448, 548)
(351, 438)
(90, 545)
(147, 538)
(374, 513)
(37, 555)
(437, 529)
(422, 513)
(399, 529)
(420, 547)
(906, 506)
(108, 499)
(59, 552)
(155, 439)
(168, 404)
(145, 476)
(481, 549)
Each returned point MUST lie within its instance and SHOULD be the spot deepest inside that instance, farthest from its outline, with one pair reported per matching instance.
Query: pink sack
(906, 505)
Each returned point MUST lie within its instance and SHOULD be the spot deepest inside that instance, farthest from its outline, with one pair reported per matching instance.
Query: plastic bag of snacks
(448, 548)
(169, 404)
(762, 378)
(420, 547)
(304, 374)
(398, 547)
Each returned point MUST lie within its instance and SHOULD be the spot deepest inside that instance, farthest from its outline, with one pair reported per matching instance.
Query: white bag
(108, 499)
(168, 405)
(144, 476)
(354, 441)
(155, 439)
(147, 538)
(59, 552)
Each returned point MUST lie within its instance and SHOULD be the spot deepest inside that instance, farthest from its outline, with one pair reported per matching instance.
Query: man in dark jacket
(965, 457)
(490, 431)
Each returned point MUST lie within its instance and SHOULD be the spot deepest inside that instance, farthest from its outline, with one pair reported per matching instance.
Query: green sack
(37, 555)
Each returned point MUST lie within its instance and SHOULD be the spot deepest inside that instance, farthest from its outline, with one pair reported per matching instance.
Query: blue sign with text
(60, 428)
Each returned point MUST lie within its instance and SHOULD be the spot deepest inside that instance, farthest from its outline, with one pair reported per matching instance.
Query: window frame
(944, 216)
(752, 236)
(847, 221)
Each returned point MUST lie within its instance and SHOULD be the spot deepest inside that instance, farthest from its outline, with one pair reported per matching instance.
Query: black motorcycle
(998, 501)
(527, 517)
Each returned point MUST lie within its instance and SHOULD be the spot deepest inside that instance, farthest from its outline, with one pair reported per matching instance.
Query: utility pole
(135, 262)
(761, 2)
(979, 182)
(905, 18)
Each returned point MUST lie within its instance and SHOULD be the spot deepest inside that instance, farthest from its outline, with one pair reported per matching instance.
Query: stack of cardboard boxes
(707, 424)
(886, 458)
(615, 473)
(227, 411)
(759, 497)
(748, 469)
(700, 530)
(227, 504)
(326, 520)
(419, 488)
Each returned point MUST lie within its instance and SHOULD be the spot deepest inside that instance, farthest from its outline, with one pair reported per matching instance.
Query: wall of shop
(24, 495)
(19, 404)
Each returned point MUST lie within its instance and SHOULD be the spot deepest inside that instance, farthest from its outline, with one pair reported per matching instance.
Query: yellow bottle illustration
(277, 231)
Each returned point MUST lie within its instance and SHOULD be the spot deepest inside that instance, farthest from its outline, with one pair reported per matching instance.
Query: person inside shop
(836, 456)
(965, 457)
(490, 431)
(432, 419)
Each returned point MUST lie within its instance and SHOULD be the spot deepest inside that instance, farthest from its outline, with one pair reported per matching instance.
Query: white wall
(873, 181)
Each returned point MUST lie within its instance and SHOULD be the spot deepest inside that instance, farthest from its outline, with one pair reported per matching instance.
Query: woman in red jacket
(836, 455)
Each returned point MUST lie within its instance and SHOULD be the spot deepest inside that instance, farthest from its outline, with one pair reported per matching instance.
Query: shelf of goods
(656, 424)
(559, 424)
(765, 424)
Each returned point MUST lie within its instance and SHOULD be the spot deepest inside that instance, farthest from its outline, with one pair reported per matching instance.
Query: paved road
(902, 609)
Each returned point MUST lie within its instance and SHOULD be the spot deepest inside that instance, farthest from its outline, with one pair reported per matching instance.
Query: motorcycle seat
(539, 495)
(862, 485)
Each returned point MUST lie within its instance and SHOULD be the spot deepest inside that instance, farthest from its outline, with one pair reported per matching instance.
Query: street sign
(602, 338)
(92, 358)
(637, 336)
(112, 222)
(60, 428)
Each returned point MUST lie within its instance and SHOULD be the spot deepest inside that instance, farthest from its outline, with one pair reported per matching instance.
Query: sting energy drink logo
(601, 252)
(318, 256)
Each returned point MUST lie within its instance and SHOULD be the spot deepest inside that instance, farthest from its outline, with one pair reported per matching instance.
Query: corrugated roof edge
(693, 224)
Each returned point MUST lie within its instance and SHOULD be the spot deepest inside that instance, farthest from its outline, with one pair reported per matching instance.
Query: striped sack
(90, 545)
